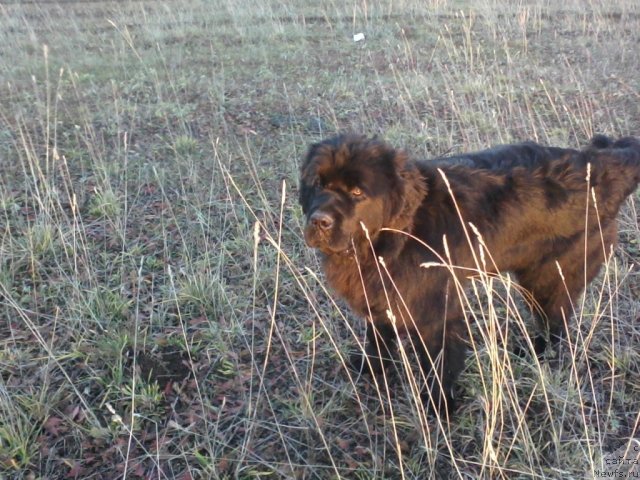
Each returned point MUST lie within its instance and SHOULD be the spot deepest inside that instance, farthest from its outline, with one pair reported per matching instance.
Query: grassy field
(160, 315)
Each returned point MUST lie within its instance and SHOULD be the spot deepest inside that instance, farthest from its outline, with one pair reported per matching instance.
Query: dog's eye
(356, 192)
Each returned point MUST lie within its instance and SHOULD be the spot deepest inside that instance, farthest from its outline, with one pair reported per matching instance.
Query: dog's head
(348, 180)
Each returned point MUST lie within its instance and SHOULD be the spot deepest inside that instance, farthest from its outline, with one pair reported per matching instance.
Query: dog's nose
(321, 220)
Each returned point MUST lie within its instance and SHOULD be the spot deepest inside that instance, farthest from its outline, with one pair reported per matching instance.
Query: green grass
(160, 315)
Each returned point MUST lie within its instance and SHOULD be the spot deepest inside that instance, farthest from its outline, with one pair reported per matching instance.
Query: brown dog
(531, 205)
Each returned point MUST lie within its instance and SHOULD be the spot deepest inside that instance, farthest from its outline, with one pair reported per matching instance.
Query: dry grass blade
(160, 315)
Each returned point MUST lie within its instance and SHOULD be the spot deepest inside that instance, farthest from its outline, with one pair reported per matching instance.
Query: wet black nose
(321, 220)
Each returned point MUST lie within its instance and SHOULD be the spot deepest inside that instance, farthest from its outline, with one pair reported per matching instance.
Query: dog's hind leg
(557, 283)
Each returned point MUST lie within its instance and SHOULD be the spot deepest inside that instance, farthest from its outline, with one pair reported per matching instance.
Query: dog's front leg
(379, 350)
(442, 358)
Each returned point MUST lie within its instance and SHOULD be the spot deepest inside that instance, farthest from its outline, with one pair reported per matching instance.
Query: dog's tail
(616, 167)
(600, 142)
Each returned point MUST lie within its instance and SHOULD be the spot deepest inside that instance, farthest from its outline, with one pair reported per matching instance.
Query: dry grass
(160, 316)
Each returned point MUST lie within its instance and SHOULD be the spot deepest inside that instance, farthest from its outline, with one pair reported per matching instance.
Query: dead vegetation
(160, 316)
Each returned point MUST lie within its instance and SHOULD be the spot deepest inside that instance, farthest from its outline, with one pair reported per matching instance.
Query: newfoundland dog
(399, 237)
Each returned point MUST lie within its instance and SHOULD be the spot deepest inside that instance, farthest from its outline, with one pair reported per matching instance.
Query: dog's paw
(366, 364)
(436, 402)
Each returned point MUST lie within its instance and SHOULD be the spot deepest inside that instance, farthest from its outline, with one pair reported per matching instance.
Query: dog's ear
(309, 177)
(306, 193)
(400, 159)
(414, 189)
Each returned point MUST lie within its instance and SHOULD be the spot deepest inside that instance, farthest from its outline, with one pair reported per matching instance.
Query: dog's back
(614, 171)
(529, 155)
(532, 156)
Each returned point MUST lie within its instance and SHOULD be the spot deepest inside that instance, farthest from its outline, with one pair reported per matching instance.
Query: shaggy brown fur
(529, 203)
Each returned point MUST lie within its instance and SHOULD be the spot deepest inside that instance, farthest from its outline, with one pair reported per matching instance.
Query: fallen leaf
(54, 426)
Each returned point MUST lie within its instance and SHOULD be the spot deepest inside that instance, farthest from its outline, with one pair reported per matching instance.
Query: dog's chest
(357, 283)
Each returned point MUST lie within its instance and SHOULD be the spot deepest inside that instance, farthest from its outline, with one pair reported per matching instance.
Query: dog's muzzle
(319, 233)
